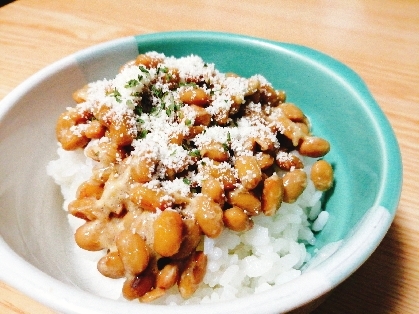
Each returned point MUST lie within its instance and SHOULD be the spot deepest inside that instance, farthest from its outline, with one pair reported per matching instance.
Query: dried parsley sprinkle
(116, 94)
(173, 107)
(138, 110)
(132, 83)
(162, 70)
(142, 134)
(193, 84)
(225, 146)
(186, 181)
(143, 69)
(157, 92)
(195, 153)
(228, 137)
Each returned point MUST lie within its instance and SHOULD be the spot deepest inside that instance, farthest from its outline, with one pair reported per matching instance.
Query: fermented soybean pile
(201, 185)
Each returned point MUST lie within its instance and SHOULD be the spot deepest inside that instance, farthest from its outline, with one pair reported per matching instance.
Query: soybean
(236, 219)
(133, 252)
(313, 146)
(167, 233)
(295, 183)
(322, 175)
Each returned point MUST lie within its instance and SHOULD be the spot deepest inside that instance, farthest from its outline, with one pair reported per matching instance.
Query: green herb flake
(142, 134)
(188, 122)
(138, 110)
(116, 94)
(193, 84)
(143, 69)
(173, 107)
(186, 181)
(157, 92)
(132, 83)
(195, 153)
(162, 70)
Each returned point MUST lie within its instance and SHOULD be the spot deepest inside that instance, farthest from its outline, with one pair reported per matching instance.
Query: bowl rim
(71, 300)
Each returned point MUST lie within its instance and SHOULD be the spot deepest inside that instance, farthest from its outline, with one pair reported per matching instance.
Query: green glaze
(365, 153)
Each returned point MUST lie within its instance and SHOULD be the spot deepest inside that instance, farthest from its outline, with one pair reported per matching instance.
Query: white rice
(239, 264)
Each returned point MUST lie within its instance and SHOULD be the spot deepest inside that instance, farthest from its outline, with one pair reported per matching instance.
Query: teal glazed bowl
(36, 241)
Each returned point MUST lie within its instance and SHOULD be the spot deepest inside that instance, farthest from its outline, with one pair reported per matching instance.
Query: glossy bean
(216, 151)
(149, 199)
(313, 146)
(193, 274)
(214, 189)
(268, 95)
(322, 175)
(133, 251)
(142, 168)
(94, 130)
(88, 235)
(287, 161)
(168, 228)
(111, 266)
(209, 215)
(167, 276)
(65, 133)
(84, 208)
(137, 286)
(147, 61)
(152, 295)
(80, 95)
(244, 199)
(248, 171)
(90, 188)
(194, 96)
(191, 238)
(292, 112)
(272, 194)
(295, 183)
(264, 160)
(221, 171)
(202, 117)
(236, 219)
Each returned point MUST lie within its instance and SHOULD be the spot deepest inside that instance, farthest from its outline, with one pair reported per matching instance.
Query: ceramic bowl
(36, 241)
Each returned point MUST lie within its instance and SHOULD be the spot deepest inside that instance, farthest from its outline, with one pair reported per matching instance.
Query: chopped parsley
(195, 153)
(116, 94)
(162, 70)
(157, 92)
(225, 146)
(132, 83)
(193, 84)
(138, 110)
(142, 134)
(143, 69)
(173, 107)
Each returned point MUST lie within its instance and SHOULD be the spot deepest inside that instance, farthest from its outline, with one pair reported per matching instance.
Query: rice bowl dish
(358, 210)
(192, 135)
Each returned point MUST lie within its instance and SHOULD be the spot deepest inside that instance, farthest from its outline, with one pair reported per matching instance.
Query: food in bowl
(189, 177)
